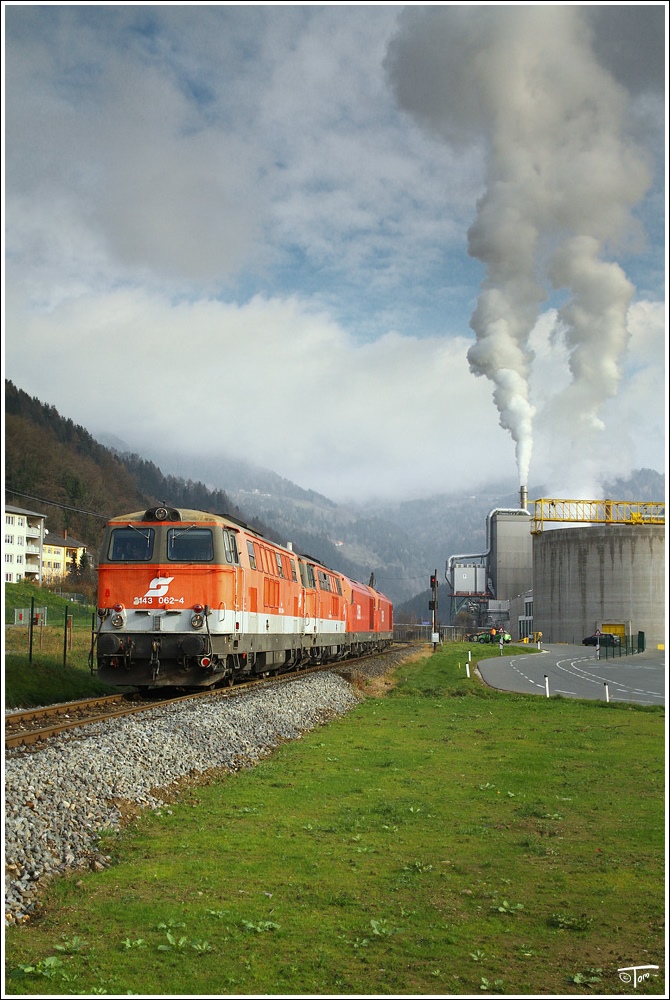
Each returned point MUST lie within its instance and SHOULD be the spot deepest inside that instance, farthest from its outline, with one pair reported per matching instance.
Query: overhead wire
(54, 503)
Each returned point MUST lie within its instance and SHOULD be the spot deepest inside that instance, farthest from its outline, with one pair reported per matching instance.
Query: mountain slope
(57, 468)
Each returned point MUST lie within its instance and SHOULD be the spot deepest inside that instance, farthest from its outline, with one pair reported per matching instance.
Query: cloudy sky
(382, 250)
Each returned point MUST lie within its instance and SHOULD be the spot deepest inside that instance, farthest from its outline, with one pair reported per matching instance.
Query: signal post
(432, 606)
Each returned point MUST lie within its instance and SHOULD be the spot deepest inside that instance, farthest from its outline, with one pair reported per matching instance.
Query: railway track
(31, 727)
(34, 726)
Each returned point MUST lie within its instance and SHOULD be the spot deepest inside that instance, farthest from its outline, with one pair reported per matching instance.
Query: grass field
(46, 680)
(59, 669)
(443, 839)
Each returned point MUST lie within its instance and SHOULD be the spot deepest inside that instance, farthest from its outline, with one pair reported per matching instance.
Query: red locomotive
(190, 599)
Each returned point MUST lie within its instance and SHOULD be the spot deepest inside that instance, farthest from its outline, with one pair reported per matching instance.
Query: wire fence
(424, 633)
(51, 632)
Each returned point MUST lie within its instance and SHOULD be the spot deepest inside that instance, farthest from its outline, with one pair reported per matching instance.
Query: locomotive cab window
(230, 547)
(252, 554)
(131, 544)
(190, 544)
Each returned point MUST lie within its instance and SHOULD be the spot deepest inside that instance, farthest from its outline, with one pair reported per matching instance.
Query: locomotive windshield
(190, 544)
(131, 544)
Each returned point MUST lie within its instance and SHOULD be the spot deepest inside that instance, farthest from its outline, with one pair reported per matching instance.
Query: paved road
(575, 672)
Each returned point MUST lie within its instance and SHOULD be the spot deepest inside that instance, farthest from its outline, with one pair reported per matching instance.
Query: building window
(8, 578)
(9, 558)
(9, 519)
(9, 539)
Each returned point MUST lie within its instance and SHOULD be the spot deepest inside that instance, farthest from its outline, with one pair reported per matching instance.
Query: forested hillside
(50, 458)
(55, 467)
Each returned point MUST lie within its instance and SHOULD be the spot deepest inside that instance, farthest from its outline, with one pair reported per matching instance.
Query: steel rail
(28, 737)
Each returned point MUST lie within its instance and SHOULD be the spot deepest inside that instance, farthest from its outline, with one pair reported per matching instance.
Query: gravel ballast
(58, 799)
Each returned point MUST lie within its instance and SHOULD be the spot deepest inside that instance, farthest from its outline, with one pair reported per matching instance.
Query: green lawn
(443, 840)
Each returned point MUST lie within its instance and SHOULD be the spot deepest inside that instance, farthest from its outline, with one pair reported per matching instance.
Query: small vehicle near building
(491, 636)
(602, 639)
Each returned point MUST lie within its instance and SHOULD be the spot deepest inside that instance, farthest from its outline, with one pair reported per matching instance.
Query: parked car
(605, 639)
(488, 637)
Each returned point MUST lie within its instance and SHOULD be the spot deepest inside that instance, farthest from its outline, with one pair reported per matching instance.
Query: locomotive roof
(179, 514)
(184, 514)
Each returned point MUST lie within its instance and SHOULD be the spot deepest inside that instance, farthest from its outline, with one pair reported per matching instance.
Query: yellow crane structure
(596, 512)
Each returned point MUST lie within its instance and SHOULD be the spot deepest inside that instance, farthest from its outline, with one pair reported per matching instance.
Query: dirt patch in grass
(376, 679)
(375, 687)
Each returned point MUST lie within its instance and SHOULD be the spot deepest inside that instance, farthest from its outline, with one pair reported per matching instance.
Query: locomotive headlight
(118, 621)
(197, 621)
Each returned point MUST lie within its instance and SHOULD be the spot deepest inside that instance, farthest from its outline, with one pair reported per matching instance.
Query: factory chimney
(523, 497)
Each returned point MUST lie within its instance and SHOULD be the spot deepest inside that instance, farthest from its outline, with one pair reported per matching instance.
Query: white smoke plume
(561, 179)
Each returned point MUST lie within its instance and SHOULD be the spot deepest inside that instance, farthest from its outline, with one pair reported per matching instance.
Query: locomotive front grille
(157, 623)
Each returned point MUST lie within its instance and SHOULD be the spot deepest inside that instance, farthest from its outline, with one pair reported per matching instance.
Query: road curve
(576, 672)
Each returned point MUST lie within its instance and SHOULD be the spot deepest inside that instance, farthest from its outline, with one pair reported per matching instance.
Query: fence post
(65, 639)
(90, 655)
(30, 630)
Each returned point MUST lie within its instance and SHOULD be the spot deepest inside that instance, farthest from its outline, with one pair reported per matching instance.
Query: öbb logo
(159, 586)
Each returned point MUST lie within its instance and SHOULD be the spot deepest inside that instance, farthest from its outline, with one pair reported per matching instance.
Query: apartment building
(32, 553)
(60, 555)
(24, 538)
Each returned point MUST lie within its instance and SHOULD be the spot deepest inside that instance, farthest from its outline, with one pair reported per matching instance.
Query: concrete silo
(610, 571)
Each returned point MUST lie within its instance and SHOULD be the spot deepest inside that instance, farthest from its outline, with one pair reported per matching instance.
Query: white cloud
(288, 388)
(295, 157)
(161, 160)
(271, 382)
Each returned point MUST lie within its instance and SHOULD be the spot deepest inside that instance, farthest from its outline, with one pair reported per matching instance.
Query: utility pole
(432, 606)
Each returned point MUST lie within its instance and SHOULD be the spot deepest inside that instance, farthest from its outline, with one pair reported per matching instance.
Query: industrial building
(566, 570)
(484, 583)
